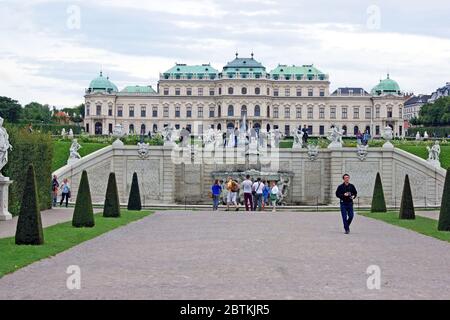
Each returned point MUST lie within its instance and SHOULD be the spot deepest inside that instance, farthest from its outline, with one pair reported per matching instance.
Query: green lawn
(423, 225)
(58, 238)
(421, 151)
(61, 151)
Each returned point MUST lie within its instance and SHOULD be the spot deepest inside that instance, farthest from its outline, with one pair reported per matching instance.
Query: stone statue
(362, 151)
(335, 136)
(210, 137)
(168, 135)
(417, 136)
(313, 151)
(387, 135)
(63, 132)
(143, 150)
(425, 135)
(298, 139)
(433, 154)
(4, 146)
(70, 133)
(218, 139)
(74, 150)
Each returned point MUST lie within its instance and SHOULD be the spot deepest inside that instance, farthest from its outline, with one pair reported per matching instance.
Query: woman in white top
(274, 195)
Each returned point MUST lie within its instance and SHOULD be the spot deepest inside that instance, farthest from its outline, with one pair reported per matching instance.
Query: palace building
(197, 97)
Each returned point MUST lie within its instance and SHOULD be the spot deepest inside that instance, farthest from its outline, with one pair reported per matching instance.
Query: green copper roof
(244, 65)
(102, 84)
(386, 86)
(138, 89)
(181, 68)
(304, 70)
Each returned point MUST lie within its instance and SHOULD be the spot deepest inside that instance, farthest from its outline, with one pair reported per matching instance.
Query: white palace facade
(197, 97)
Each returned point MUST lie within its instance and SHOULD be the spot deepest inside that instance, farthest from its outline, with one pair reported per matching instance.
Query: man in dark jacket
(346, 192)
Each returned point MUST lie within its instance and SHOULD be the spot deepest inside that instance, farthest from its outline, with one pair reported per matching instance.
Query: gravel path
(205, 255)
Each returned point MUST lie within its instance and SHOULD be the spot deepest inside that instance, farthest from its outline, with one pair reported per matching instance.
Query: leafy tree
(134, 199)
(29, 225)
(407, 205)
(10, 110)
(435, 114)
(444, 215)
(378, 202)
(83, 214)
(35, 111)
(111, 207)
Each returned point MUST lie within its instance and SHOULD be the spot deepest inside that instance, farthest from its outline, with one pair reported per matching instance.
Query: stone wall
(168, 177)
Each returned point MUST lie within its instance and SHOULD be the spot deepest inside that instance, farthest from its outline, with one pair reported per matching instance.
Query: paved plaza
(228, 255)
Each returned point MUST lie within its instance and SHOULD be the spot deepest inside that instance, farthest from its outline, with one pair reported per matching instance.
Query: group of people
(362, 138)
(257, 193)
(65, 191)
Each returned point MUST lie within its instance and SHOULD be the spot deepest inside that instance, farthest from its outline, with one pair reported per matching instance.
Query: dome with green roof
(386, 86)
(102, 84)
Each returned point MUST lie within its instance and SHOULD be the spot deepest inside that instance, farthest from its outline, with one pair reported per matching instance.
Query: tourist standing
(346, 192)
(366, 137)
(248, 196)
(233, 188)
(55, 188)
(358, 137)
(65, 187)
(216, 189)
(266, 193)
(305, 134)
(258, 187)
(274, 195)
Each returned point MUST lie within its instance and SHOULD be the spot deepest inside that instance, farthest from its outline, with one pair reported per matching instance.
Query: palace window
(400, 112)
(143, 128)
(200, 91)
(298, 112)
(155, 112)
(143, 112)
(377, 112)
(211, 91)
(230, 111)
(220, 91)
(322, 93)
(243, 111)
(211, 112)
(287, 112)
(257, 111)
(177, 91)
(257, 90)
(189, 112)
(98, 110)
(131, 128)
(110, 110)
(310, 92)
(356, 113)
(166, 112)
(333, 113)
(88, 109)
(310, 112)
(119, 111)
(275, 112)
(230, 90)
(321, 113)
(389, 112)
(322, 130)
(131, 111)
(166, 91)
(299, 92)
(200, 112)
(368, 113)
(275, 92)
(344, 113)
(287, 130)
(377, 130)
(287, 92)
(177, 112)
(268, 91)
(189, 91)
(244, 90)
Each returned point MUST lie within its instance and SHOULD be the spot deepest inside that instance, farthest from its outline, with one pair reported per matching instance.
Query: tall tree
(35, 111)
(10, 109)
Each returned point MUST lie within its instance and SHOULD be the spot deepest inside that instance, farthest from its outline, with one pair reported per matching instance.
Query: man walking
(258, 187)
(233, 189)
(346, 192)
(248, 196)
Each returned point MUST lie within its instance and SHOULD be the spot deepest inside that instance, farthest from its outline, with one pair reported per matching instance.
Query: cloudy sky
(50, 50)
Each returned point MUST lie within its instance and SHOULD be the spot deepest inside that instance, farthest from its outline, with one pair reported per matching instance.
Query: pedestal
(4, 187)
(117, 143)
(335, 145)
(435, 163)
(72, 160)
(388, 145)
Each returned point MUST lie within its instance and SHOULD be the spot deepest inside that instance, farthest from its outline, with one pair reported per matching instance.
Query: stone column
(4, 187)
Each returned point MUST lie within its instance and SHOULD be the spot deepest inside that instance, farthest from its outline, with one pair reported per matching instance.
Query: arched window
(230, 111)
(143, 128)
(355, 130)
(268, 111)
(367, 129)
(244, 90)
(131, 129)
(268, 127)
(243, 111)
(219, 126)
(230, 125)
(257, 111)
(99, 110)
(155, 127)
(219, 111)
(230, 90)
(344, 127)
(257, 90)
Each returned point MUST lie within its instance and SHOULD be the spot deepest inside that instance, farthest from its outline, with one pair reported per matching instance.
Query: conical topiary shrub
(111, 207)
(378, 202)
(134, 199)
(29, 225)
(407, 205)
(444, 215)
(83, 214)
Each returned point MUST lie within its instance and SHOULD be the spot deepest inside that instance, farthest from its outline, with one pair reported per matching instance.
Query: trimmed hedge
(444, 214)
(29, 148)
(111, 207)
(441, 132)
(407, 205)
(134, 199)
(378, 201)
(29, 225)
(83, 214)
